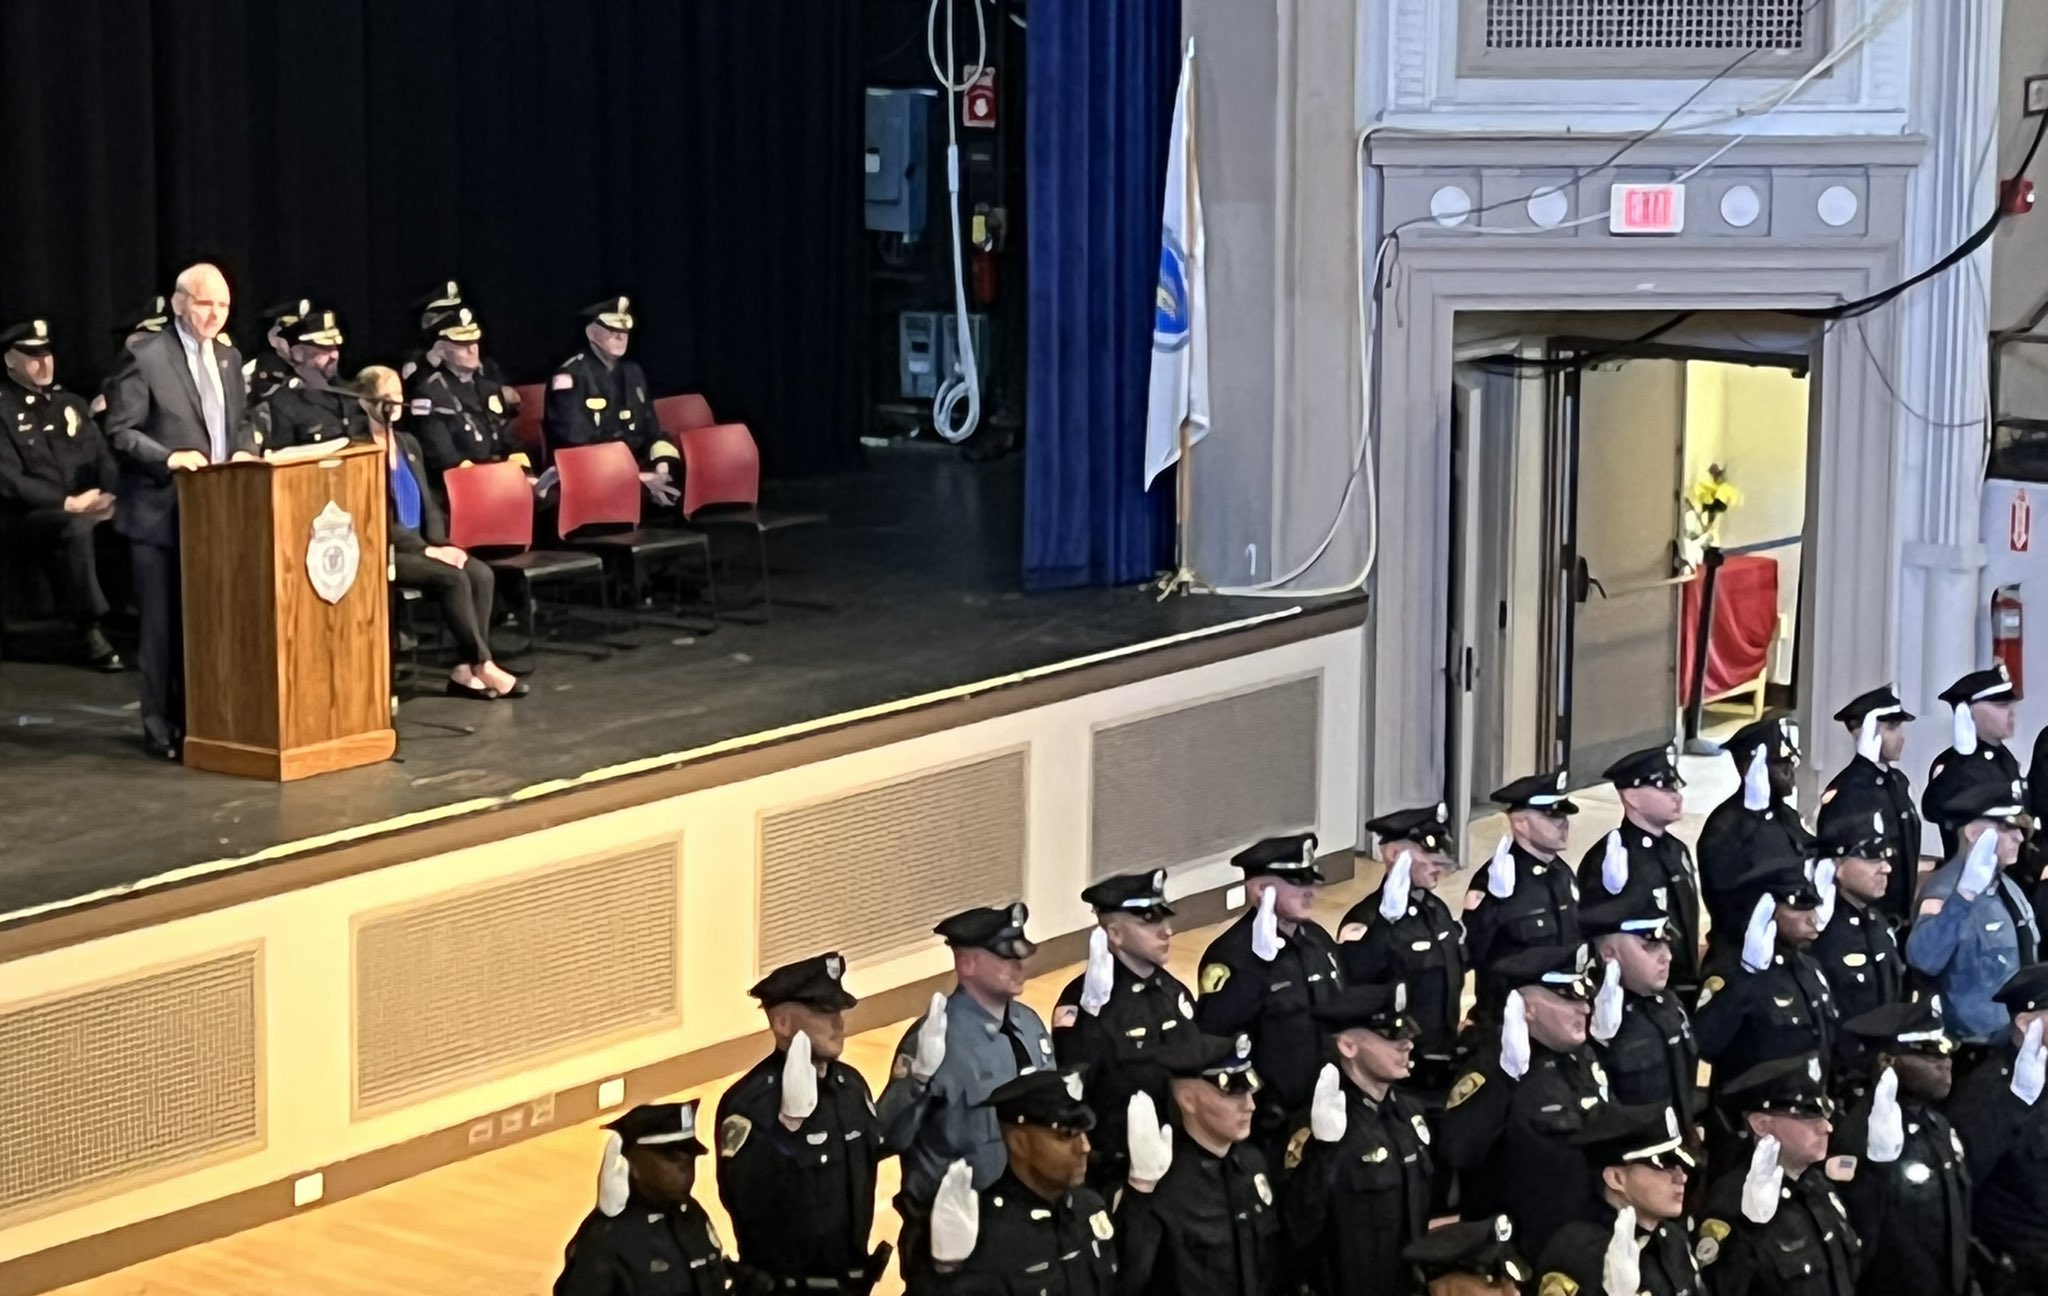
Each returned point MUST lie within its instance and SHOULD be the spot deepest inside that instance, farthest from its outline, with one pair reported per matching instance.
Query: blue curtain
(1099, 86)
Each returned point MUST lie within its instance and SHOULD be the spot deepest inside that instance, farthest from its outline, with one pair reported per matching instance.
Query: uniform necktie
(1017, 1049)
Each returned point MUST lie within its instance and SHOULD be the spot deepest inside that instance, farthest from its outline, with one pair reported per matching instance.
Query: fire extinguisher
(2009, 632)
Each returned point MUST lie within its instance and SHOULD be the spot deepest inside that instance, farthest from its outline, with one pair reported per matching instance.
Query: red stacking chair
(678, 414)
(722, 489)
(599, 510)
(526, 425)
(490, 511)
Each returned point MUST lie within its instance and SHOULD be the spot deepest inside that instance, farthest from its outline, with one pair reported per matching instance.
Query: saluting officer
(1878, 720)
(1640, 1030)
(265, 372)
(1405, 932)
(1998, 1114)
(1770, 999)
(308, 408)
(1910, 1199)
(1644, 1165)
(1641, 857)
(1264, 975)
(1777, 1226)
(798, 1142)
(1113, 1019)
(1975, 927)
(1359, 1172)
(599, 394)
(1470, 1259)
(1197, 1216)
(1756, 820)
(1525, 897)
(648, 1236)
(1858, 948)
(1512, 1114)
(1038, 1227)
(1982, 718)
(461, 417)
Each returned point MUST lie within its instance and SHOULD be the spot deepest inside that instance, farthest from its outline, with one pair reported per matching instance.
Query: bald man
(176, 403)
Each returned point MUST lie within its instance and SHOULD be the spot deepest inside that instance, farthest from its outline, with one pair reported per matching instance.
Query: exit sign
(1646, 208)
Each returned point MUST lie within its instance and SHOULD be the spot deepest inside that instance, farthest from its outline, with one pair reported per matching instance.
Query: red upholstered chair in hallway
(722, 490)
(598, 511)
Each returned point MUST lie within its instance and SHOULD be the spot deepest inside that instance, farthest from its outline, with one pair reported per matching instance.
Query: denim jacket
(1971, 947)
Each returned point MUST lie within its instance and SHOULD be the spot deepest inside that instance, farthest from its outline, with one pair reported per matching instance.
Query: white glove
(1887, 1123)
(2031, 1071)
(1760, 938)
(1760, 1187)
(1824, 884)
(1614, 865)
(1500, 870)
(1151, 1143)
(614, 1177)
(1756, 782)
(1514, 1037)
(1621, 1271)
(799, 1080)
(1100, 978)
(1326, 1115)
(1980, 870)
(1394, 891)
(1607, 1004)
(931, 1041)
(1266, 938)
(1869, 743)
(956, 1216)
(1963, 730)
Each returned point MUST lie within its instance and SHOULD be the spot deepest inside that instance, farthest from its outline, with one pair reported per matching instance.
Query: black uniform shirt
(1241, 992)
(1901, 829)
(1028, 1246)
(590, 401)
(1748, 1018)
(647, 1250)
(2002, 760)
(1207, 1229)
(1860, 956)
(1424, 947)
(1349, 1207)
(1913, 1213)
(459, 419)
(1510, 1140)
(1654, 1058)
(1117, 1048)
(1656, 860)
(1807, 1249)
(1544, 910)
(2005, 1146)
(1575, 1262)
(50, 447)
(296, 415)
(1732, 840)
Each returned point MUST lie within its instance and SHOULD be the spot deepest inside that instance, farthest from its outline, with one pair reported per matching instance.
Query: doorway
(1587, 475)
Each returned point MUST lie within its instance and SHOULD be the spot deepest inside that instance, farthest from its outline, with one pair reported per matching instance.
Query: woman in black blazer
(421, 555)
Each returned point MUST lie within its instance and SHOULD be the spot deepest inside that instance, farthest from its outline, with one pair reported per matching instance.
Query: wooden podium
(287, 642)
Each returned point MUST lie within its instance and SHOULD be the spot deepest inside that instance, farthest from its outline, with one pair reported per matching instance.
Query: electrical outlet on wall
(2036, 95)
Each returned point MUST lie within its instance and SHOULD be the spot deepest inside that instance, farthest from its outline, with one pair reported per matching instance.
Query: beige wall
(2019, 282)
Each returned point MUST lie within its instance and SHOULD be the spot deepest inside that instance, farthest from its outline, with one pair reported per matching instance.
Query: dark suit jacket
(433, 528)
(152, 410)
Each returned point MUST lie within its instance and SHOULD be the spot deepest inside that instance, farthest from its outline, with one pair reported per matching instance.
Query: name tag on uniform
(593, 402)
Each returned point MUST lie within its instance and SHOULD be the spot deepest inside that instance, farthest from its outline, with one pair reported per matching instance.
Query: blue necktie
(210, 406)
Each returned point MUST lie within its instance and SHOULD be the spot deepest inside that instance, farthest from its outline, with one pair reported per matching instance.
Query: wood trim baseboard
(91, 1257)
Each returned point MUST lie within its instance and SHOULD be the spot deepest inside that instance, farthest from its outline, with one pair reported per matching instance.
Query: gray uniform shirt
(933, 1123)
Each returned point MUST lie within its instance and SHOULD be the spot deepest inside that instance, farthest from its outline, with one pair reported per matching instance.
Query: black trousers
(64, 542)
(465, 594)
(160, 653)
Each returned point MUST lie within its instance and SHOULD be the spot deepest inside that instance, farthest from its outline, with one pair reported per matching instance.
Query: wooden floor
(495, 1224)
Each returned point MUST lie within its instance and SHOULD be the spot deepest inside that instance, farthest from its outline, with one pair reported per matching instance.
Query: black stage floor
(919, 566)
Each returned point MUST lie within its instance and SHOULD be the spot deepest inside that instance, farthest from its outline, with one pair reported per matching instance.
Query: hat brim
(837, 1001)
(1010, 946)
(324, 338)
(1150, 913)
(462, 333)
(692, 1146)
(614, 321)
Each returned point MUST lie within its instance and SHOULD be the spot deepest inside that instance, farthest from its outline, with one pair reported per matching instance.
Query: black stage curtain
(700, 156)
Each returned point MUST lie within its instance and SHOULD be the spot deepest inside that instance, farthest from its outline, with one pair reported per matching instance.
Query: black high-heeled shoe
(454, 689)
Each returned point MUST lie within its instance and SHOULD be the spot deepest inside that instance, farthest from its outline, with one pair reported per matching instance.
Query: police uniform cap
(1651, 767)
(1883, 701)
(1852, 822)
(1991, 684)
(999, 931)
(320, 328)
(1428, 827)
(441, 296)
(666, 1127)
(1779, 871)
(1789, 1086)
(1480, 1248)
(1042, 1096)
(1776, 735)
(1142, 895)
(2025, 990)
(1381, 1009)
(30, 337)
(1223, 1060)
(152, 317)
(1904, 1026)
(1562, 969)
(615, 313)
(455, 323)
(1969, 790)
(1291, 859)
(1633, 1134)
(1545, 792)
(282, 315)
(1635, 912)
(813, 982)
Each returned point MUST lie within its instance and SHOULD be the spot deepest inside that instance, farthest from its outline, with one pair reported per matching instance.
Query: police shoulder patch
(732, 1134)
(1064, 1016)
(561, 382)
(901, 1068)
(1213, 977)
(1468, 1084)
(1296, 1145)
(1350, 932)
(1557, 1284)
(1099, 1225)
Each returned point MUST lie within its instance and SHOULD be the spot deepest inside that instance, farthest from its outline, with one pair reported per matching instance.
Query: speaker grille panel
(463, 990)
(1207, 778)
(869, 873)
(1649, 38)
(128, 1081)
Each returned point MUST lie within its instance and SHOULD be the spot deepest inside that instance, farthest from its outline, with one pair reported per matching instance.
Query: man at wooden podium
(177, 403)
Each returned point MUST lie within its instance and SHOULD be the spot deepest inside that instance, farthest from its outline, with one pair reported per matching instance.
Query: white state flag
(1180, 329)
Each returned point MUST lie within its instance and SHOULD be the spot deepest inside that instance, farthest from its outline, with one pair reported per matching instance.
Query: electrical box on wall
(898, 126)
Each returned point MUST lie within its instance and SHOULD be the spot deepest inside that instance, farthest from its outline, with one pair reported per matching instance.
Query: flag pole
(1181, 580)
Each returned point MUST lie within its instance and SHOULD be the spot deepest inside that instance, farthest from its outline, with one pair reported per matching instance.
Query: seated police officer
(309, 406)
(600, 395)
(1644, 1165)
(57, 477)
(648, 1236)
(460, 416)
(266, 372)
